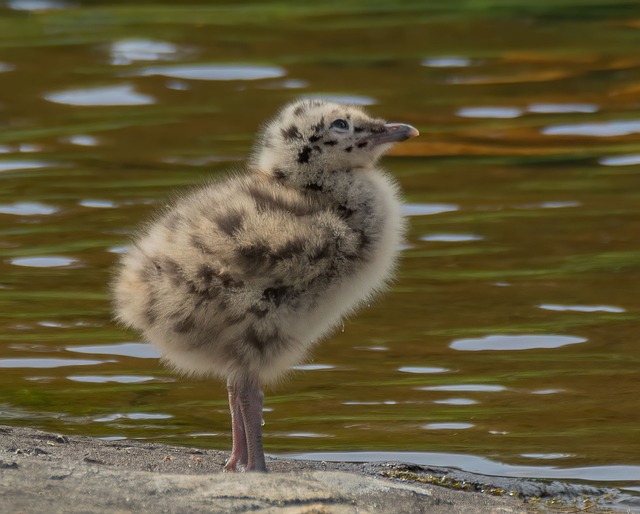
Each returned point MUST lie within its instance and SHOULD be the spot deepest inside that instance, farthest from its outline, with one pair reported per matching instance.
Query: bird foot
(233, 467)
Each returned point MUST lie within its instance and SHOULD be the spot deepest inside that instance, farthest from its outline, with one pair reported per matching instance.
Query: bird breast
(244, 275)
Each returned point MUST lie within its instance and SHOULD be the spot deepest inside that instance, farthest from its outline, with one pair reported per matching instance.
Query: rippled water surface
(510, 343)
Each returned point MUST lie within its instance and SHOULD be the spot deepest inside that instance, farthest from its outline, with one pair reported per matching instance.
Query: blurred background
(510, 343)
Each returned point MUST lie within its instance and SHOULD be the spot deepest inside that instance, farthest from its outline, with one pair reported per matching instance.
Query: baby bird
(239, 278)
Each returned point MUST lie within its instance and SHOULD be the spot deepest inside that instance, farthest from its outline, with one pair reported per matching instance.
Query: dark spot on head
(314, 138)
(317, 149)
(291, 133)
(348, 149)
(230, 222)
(279, 173)
(303, 156)
(299, 111)
(319, 127)
(362, 144)
(357, 129)
(331, 143)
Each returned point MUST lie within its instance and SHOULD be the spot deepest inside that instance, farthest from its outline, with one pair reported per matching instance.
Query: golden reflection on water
(522, 193)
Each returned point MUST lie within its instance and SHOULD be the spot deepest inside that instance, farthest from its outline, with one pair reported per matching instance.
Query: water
(509, 344)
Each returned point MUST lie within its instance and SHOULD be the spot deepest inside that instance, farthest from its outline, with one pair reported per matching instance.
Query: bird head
(310, 139)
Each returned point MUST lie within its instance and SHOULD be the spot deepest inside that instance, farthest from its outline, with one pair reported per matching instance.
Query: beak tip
(398, 132)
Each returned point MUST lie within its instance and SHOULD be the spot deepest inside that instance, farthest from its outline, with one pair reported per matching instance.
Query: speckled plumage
(239, 278)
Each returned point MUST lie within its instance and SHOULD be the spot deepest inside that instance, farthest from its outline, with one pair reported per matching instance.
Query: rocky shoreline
(46, 472)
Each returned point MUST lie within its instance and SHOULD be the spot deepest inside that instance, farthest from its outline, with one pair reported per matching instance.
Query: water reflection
(601, 129)
(97, 204)
(52, 324)
(118, 379)
(562, 108)
(447, 62)
(133, 416)
(82, 140)
(43, 262)
(489, 112)
(621, 160)
(485, 388)
(546, 456)
(138, 350)
(548, 205)
(27, 209)
(418, 369)
(123, 94)
(426, 209)
(118, 249)
(347, 99)
(514, 342)
(215, 72)
(304, 435)
(456, 401)
(580, 308)
(447, 426)
(312, 367)
(20, 148)
(451, 238)
(547, 391)
(132, 50)
(47, 363)
(37, 5)
(177, 85)
(286, 84)
(22, 165)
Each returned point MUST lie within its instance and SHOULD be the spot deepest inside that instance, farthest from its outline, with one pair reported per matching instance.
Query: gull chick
(239, 278)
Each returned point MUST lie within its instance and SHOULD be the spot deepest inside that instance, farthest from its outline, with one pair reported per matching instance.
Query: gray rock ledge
(51, 473)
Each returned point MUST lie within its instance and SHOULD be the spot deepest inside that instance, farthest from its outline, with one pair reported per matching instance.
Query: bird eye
(340, 124)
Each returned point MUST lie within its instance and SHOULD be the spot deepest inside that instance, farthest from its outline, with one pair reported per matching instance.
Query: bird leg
(239, 446)
(245, 402)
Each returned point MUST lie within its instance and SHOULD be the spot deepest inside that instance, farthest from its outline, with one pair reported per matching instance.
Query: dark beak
(393, 133)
